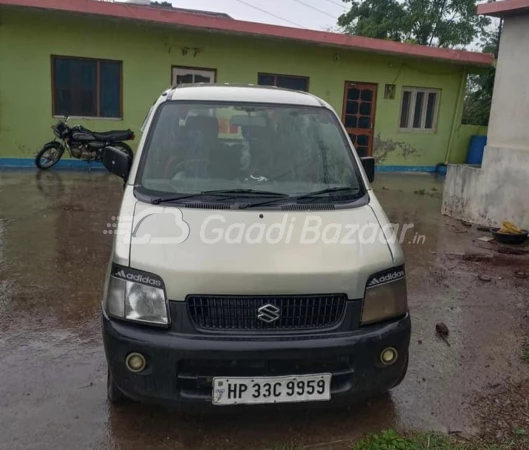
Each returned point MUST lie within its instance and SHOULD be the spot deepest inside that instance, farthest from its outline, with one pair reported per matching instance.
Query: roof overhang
(160, 16)
(505, 8)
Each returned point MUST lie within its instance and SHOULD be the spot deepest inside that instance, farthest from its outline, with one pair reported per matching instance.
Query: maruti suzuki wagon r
(252, 263)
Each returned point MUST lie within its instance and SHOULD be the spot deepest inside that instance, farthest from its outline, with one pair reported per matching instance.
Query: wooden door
(359, 115)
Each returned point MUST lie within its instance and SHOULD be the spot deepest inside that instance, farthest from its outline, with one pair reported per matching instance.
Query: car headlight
(385, 296)
(136, 296)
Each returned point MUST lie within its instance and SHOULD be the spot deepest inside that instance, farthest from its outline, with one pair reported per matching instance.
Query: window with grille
(419, 109)
(284, 81)
(86, 87)
(189, 75)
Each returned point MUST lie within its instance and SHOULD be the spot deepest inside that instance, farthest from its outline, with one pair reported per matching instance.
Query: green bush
(386, 440)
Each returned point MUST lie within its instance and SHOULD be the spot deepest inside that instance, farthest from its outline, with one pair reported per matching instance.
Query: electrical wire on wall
(427, 72)
(398, 74)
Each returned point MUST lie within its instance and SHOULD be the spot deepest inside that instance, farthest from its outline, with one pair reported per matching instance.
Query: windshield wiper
(333, 190)
(253, 205)
(309, 196)
(222, 192)
(174, 198)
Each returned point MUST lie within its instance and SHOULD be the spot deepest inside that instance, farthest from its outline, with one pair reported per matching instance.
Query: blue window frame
(86, 87)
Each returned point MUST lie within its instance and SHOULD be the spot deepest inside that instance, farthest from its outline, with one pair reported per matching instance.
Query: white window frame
(411, 113)
(182, 71)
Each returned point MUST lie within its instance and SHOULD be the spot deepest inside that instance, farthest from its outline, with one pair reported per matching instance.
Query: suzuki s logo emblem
(268, 313)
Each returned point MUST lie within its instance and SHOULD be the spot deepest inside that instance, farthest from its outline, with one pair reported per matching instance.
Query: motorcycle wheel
(124, 148)
(49, 155)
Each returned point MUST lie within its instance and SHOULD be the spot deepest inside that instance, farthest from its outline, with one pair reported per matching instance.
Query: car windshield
(286, 151)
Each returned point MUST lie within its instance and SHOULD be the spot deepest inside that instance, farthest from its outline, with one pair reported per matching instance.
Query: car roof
(242, 93)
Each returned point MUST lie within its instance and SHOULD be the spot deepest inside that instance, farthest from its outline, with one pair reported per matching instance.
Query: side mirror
(369, 167)
(117, 162)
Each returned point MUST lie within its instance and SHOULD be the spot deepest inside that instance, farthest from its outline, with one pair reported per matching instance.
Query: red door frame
(369, 131)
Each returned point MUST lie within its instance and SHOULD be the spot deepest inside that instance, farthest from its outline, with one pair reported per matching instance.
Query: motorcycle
(81, 143)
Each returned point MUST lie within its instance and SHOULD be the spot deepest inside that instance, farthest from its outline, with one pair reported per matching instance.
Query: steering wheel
(168, 170)
(192, 162)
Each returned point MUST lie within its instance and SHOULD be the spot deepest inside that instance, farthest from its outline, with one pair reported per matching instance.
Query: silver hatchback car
(252, 262)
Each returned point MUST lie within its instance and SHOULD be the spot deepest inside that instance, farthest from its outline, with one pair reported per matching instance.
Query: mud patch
(382, 149)
(431, 193)
(504, 413)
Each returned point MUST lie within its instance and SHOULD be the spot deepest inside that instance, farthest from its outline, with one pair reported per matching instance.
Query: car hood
(251, 252)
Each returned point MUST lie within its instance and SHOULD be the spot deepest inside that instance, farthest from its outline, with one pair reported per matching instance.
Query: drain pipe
(460, 99)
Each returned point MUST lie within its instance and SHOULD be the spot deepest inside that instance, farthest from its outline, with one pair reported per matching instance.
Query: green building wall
(28, 39)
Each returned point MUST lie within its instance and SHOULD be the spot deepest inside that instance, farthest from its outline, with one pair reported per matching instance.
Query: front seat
(205, 145)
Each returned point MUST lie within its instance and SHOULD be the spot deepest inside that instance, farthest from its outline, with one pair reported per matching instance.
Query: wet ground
(53, 255)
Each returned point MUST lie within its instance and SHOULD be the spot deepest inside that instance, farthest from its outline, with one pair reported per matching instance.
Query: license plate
(257, 390)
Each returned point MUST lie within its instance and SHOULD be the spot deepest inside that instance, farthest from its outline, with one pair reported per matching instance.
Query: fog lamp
(135, 362)
(388, 356)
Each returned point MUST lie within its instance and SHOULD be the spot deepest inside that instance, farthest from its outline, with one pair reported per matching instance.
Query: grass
(519, 431)
(284, 447)
(525, 354)
(391, 440)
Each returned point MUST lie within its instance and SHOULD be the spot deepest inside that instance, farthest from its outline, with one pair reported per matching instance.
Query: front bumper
(181, 367)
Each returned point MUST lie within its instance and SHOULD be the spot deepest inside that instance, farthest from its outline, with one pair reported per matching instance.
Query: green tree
(478, 97)
(381, 19)
(162, 4)
(440, 23)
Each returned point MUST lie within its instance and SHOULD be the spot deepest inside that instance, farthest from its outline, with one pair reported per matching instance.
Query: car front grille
(232, 313)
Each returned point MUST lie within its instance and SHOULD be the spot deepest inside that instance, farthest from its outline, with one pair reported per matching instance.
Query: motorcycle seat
(113, 136)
